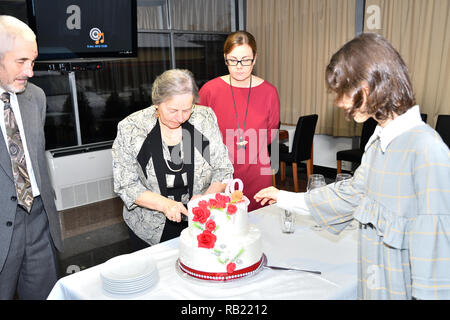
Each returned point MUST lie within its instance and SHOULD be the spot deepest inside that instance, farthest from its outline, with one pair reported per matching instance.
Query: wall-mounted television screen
(84, 29)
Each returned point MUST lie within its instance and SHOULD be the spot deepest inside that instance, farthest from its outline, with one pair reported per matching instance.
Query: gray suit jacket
(32, 104)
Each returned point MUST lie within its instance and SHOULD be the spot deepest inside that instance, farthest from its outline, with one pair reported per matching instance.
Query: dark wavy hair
(370, 60)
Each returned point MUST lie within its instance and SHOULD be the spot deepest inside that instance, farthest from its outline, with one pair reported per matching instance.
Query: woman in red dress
(248, 112)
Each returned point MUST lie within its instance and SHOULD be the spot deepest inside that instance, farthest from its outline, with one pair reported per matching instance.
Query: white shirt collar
(396, 127)
(11, 94)
(13, 101)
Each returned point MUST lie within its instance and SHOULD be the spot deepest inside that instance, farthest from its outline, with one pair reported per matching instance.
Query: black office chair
(355, 155)
(424, 117)
(302, 148)
(443, 127)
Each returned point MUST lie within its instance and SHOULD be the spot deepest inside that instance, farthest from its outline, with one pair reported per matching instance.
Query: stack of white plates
(128, 275)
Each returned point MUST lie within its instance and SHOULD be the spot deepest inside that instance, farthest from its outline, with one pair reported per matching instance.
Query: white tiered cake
(219, 243)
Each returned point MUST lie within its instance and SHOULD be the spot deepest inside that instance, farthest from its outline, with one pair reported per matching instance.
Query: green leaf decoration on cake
(223, 261)
(195, 224)
(238, 255)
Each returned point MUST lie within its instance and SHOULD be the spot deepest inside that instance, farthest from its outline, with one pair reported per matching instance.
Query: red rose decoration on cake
(210, 225)
(203, 204)
(231, 209)
(231, 267)
(201, 214)
(222, 198)
(221, 205)
(212, 203)
(221, 201)
(206, 239)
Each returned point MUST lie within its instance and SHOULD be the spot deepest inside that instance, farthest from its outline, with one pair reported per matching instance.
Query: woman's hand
(173, 210)
(269, 194)
(154, 201)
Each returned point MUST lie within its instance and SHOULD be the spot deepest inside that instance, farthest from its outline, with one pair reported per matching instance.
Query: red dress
(252, 164)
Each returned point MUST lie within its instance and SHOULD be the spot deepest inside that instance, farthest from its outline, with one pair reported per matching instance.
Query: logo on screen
(97, 36)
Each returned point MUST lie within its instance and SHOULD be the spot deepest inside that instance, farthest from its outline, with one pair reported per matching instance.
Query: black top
(152, 150)
(175, 169)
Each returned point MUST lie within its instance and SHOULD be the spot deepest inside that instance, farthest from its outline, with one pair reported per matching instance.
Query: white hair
(173, 82)
(10, 29)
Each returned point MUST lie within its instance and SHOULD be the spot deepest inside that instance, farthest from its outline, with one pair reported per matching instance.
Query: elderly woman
(163, 156)
(400, 192)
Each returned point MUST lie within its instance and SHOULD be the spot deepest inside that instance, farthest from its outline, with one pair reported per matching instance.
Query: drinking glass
(315, 181)
(345, 178)
(287, 221)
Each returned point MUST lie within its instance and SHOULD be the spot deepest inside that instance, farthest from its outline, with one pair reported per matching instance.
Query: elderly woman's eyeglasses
(243, 62)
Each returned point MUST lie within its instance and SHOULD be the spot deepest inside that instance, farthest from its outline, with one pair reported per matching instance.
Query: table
(334, 255)
(283, 135)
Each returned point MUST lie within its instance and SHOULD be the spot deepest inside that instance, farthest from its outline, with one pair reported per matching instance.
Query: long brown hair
(370, 60)
(239, 38)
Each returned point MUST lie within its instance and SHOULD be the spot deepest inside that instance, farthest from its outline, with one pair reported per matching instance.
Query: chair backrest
(304, 136)
(424, 117)
(367, 130)
(443, 127)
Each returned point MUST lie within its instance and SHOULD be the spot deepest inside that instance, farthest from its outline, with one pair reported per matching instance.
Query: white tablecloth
(291, 131)
(334, 256)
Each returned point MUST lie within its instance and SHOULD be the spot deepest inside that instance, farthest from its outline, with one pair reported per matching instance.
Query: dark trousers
(171, 230)
(31, 266)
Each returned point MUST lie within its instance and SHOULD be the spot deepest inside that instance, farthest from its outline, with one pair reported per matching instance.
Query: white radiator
(81, 175)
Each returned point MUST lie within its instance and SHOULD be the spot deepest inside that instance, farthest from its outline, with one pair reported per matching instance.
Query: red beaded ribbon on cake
(220, 276)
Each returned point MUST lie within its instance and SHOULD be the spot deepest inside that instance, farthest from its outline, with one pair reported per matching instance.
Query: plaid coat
(401, 198)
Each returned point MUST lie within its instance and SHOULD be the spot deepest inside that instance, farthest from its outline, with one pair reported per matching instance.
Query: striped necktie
(16, 151)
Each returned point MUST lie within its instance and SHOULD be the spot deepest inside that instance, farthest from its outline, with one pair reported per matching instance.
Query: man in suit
(29, 223)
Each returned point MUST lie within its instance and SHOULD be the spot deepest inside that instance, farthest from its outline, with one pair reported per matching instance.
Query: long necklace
(167, 162)
(241, 143)
(173, 170)
(166, 148)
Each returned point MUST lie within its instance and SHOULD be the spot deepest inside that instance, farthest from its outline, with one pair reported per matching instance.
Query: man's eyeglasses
(243, 62)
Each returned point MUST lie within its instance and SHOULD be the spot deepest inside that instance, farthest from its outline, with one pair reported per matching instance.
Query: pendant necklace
(241, 143)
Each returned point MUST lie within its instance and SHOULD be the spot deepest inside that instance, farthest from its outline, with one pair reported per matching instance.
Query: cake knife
(293, 269)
